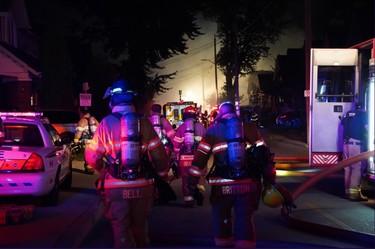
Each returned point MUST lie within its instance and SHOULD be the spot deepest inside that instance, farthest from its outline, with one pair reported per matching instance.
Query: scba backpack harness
(242, 162)
(159, 129)
(131, 163)
(189, 145)
(92, 125)
(128, 164)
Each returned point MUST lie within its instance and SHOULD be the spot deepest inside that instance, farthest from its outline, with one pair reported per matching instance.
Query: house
(20, 77)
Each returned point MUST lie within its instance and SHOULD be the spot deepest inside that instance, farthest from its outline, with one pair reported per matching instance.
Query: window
(22, 134)
(335, 84)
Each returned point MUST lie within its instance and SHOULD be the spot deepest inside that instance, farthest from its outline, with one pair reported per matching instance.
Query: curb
(359, 238)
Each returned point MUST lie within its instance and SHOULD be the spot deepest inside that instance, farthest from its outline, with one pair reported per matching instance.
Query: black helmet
(156, 108)
(227, 107)
(121, 92)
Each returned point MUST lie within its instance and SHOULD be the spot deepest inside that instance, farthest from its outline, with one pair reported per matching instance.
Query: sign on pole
(85, 99)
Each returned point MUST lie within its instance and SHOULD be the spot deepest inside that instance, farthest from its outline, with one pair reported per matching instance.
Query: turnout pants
(354, 172)
(128, 210)
(239, 232)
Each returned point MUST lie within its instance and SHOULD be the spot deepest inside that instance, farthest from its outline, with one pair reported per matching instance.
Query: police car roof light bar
(21, 114)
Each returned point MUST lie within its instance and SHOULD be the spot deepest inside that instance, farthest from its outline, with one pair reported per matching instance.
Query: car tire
(67, 183)
(67, 137)
(52, 198)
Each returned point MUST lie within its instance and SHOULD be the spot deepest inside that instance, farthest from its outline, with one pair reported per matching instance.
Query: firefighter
(166, 133)
(2, 133)
(162, 127)
(185, 142)
(120, 150)
(233, 184)
(85, 130)
(355, 132)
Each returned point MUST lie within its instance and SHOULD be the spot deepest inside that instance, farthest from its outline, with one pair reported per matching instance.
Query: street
(77, 221)
(175, 226)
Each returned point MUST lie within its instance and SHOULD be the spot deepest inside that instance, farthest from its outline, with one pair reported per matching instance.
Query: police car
(33, 159)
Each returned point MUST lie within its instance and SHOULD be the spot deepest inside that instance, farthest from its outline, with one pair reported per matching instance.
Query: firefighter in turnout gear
(234, 184)
(85, 130)
(121, 144)
(355, 130)
(163, 128)
(185, 142)
(161, 125)
(2, 133)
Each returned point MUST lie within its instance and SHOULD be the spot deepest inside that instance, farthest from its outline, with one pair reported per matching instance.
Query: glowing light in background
(198, 76)
(371, 112)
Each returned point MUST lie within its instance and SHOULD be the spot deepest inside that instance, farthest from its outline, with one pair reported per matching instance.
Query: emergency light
(371, 112)
(21, 114)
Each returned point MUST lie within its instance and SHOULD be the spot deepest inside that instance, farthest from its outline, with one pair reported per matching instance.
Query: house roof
(13, 66)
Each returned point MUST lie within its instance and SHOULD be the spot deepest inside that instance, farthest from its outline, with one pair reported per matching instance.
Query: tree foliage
(102, 40)
(245, 30)
(137, 35)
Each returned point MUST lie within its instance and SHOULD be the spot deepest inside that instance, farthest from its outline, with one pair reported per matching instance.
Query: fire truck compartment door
(327, 130)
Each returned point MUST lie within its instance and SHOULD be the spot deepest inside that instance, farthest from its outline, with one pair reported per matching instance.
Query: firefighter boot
(189, 201)
(88, 169)
(355, 194)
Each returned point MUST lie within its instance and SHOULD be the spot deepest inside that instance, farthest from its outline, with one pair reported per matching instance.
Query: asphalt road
(77, 220)
(175, 226)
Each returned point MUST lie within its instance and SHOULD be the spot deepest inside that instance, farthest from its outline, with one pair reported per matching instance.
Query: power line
(180, 79)
(189, 54)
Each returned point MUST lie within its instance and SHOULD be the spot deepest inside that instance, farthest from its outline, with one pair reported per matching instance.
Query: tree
(137, 35)
(245, 28)
(103, 40)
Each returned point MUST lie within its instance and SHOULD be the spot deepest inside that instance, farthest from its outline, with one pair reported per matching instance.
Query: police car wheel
(67, 183)
(52, 198)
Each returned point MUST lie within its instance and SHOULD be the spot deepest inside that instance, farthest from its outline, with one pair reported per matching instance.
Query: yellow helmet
(271, 196)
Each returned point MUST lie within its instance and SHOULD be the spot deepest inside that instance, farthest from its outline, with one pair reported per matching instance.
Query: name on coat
(131, 194)
(235, 189)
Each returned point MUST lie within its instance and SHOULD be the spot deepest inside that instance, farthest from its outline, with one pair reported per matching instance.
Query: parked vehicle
(289, 120)
(63, 120)
(34, 161)
(173, 111)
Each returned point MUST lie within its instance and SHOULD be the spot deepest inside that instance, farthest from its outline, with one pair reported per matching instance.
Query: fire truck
(339, 78)
(173, 111)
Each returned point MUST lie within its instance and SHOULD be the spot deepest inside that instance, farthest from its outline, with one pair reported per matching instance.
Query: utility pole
(307, 61)
(215, 62)
(236, 69)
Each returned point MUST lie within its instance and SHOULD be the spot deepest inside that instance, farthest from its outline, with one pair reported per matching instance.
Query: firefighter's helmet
(156, 108)
(2, 133)
(227, 107)
(189, 112)
(271, 196)
(121, 92)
